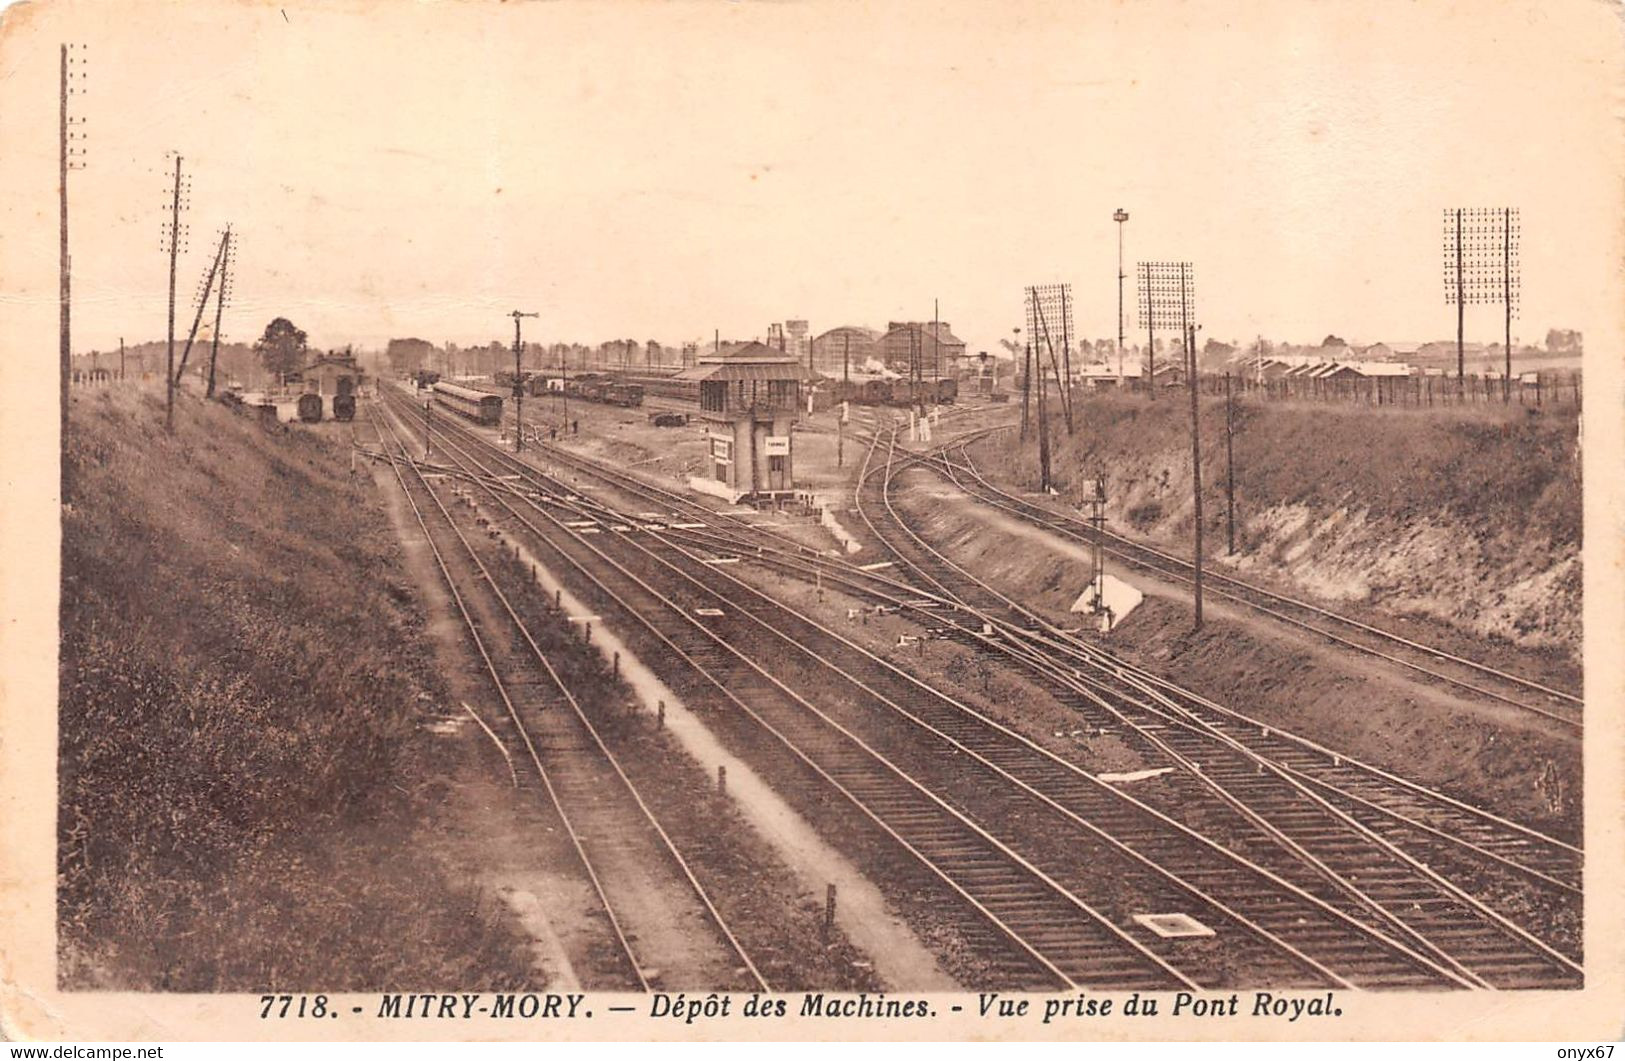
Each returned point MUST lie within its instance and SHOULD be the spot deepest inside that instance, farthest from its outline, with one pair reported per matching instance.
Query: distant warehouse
(930, 344)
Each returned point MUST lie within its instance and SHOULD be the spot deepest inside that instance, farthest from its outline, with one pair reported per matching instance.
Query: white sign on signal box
(778, 445)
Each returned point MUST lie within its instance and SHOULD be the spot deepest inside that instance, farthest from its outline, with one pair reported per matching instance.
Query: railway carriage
(310, 408)
(480, 407)
(344, 407)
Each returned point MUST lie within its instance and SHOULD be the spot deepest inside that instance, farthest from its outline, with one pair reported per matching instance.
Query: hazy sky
(643, 170)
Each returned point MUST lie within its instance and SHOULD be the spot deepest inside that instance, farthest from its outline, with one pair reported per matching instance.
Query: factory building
(929, 343)
(834, 349)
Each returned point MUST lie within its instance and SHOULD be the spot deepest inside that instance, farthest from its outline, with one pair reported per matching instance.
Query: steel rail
(669, 846)
(1175, 567)
(622, 942)
(933, 864)
(1410, 955)
(819, 559)
(810, 563)
(1205, 776)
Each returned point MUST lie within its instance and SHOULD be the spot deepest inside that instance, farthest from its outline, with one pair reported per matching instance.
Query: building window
(775, 465)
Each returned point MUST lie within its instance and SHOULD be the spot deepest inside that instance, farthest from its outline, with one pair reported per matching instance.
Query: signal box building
(749, 400)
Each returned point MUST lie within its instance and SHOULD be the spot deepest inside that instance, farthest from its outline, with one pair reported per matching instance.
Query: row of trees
(405, 356)
(283, 350)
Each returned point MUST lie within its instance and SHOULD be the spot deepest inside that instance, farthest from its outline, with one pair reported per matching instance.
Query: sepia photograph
(809, 520)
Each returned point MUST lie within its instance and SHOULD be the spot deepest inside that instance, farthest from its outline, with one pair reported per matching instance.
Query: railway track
(1485, 847)
(1370, 791)
(617, 839)
(1027, 930)
(1416, 962)
(1352, 847)
(1433, 663)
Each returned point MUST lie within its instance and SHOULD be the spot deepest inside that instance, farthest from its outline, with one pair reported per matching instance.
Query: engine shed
(749, 401)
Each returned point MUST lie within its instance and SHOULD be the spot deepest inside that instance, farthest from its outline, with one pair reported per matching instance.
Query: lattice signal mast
(1481, 266)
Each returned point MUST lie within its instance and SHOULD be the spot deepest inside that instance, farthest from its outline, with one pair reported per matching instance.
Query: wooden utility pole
(1229, 469)
(936, 345)
(1120, 216)
(202, 303)
(1151, 353)
(1043, 434)
(1461, 316)
(917, 346)
(1066, 356)
(1196, 440)
(121, 358)
(174, 248)
(1040, 324)
(66, 339)
(1506, 293)
(518, 383)
(1026, 386)
(219, 310)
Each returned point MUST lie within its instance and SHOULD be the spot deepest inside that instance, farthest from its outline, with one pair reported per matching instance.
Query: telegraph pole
(518, 383)
(1167, 297)
(1043, 432)
(1189, 328)
(1196, 444)
(219, 309)
(1026, 382)
(1461, 316)
(67, 161)
(1506, 289)
(1148, 312)
(1059, 297)
(121, 358)
(936, 338)
(1066, 355)
(1478, 267)
(174, 250)
(1120, 216)
(1229, 469)
(202, 304)
(66, 339)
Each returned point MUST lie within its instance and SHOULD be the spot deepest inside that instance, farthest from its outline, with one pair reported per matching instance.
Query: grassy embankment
(242, 696)
(1468, 517)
